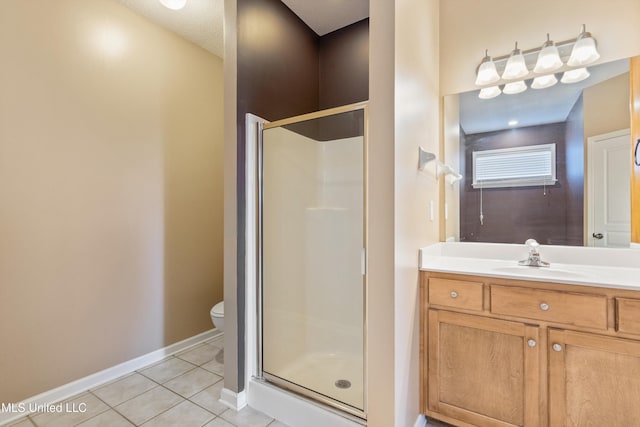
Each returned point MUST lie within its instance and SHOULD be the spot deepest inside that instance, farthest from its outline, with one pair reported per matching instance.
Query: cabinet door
(483, 371)
(593, 380)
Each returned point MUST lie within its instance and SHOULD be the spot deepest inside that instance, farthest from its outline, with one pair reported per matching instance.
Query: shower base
(338, 376)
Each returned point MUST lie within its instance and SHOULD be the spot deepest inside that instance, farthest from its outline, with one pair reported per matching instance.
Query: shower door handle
(363, 261)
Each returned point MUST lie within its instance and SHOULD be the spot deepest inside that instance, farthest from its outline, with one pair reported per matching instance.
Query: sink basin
(538, 272)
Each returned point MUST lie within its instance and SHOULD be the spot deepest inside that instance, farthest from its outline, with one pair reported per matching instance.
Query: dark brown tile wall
(280, 61)
(512, 215)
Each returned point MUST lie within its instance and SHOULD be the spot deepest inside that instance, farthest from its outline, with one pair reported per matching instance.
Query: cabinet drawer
(456, 293)
(628, 315)
(552, 306)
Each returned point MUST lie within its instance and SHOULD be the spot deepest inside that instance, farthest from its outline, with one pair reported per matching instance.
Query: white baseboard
(233, 400)
(94, 380)
(635, 245)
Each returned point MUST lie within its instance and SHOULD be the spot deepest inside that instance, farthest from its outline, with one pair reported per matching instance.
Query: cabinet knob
(531, 343)
(556, 347)
(454, 294)
(544, 306)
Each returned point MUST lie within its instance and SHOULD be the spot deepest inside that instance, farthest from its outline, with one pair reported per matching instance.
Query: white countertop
(605, 267)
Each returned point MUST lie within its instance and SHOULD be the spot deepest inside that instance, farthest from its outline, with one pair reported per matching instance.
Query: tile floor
(181, 390)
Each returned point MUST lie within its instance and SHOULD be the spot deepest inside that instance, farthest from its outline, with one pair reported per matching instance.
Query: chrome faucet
(534, 255)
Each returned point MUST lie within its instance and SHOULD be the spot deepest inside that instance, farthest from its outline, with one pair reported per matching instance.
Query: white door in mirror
(609, 188)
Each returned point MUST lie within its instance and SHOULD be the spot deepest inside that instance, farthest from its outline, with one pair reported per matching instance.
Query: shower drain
(343, 383)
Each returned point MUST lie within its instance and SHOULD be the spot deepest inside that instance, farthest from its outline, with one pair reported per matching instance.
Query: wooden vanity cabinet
(498, 353)
(483, 371)
(593, 380)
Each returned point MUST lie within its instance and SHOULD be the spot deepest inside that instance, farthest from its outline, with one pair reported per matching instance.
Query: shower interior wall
(313, 310)
(285, 69)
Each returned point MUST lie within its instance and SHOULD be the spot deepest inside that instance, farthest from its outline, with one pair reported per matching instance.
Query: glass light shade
(574, 76)
(548, 58)
(544, 82)
(174, 4)
(584, 51)
(489, 92)
(515, 87)
(516, 68)
(487, 72)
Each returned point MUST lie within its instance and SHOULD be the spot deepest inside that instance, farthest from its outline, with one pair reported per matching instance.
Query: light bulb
(543, 82)
(574, 76)
(489, 92)
(515, 87)
(548, 58)
(487, 73)
(516, 67)
(174, 4)
(584, 51)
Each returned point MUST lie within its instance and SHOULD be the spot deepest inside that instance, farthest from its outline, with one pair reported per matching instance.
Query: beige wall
(110, 190)
(606, 106)
(468, 27)
(380, 238)
(417, 124)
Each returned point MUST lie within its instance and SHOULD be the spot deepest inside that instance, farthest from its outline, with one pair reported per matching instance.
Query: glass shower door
(312, 256)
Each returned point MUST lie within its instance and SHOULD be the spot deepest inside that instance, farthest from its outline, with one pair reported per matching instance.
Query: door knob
(597, 236)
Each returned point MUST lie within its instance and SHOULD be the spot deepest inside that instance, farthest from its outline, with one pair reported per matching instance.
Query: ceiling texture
(202, 21)
(325, 16)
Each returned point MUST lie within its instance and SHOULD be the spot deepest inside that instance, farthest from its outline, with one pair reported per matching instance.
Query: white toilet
(217, 316)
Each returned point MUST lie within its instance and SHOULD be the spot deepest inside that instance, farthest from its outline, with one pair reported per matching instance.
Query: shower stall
(312, 256)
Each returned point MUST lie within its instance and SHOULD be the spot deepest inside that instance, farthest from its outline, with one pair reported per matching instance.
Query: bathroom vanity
(508, 345)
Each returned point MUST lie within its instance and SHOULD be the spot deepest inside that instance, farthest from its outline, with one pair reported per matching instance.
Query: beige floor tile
(246, 417)
(209, 398)
(146, 406)
(74, 411)
(277, 423)
(106, 419)
(200, 354)
(126, 388)
(219, 422)
(215, 366)
(192, 382)
(185, 414)
(217, 341)
(167, 369)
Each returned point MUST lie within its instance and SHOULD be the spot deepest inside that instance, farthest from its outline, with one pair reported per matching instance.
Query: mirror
(577, 119)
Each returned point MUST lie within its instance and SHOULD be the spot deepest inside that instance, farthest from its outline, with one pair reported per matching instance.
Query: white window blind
(515, 167)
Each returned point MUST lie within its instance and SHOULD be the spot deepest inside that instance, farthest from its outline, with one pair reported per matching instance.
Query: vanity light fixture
(575, 76)
(487, 72)
(516, 67)
(509, 72)
(174, 4)
(584, 51)
(548, 58)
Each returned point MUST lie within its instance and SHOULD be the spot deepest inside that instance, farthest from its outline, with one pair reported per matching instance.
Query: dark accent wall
(277, 78)
(344, 66)
(512, 215)
(278, 72)
(574, 153)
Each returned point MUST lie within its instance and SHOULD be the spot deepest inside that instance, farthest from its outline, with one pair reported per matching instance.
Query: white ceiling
(532, 107)
(202, 21)
(325, 16)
